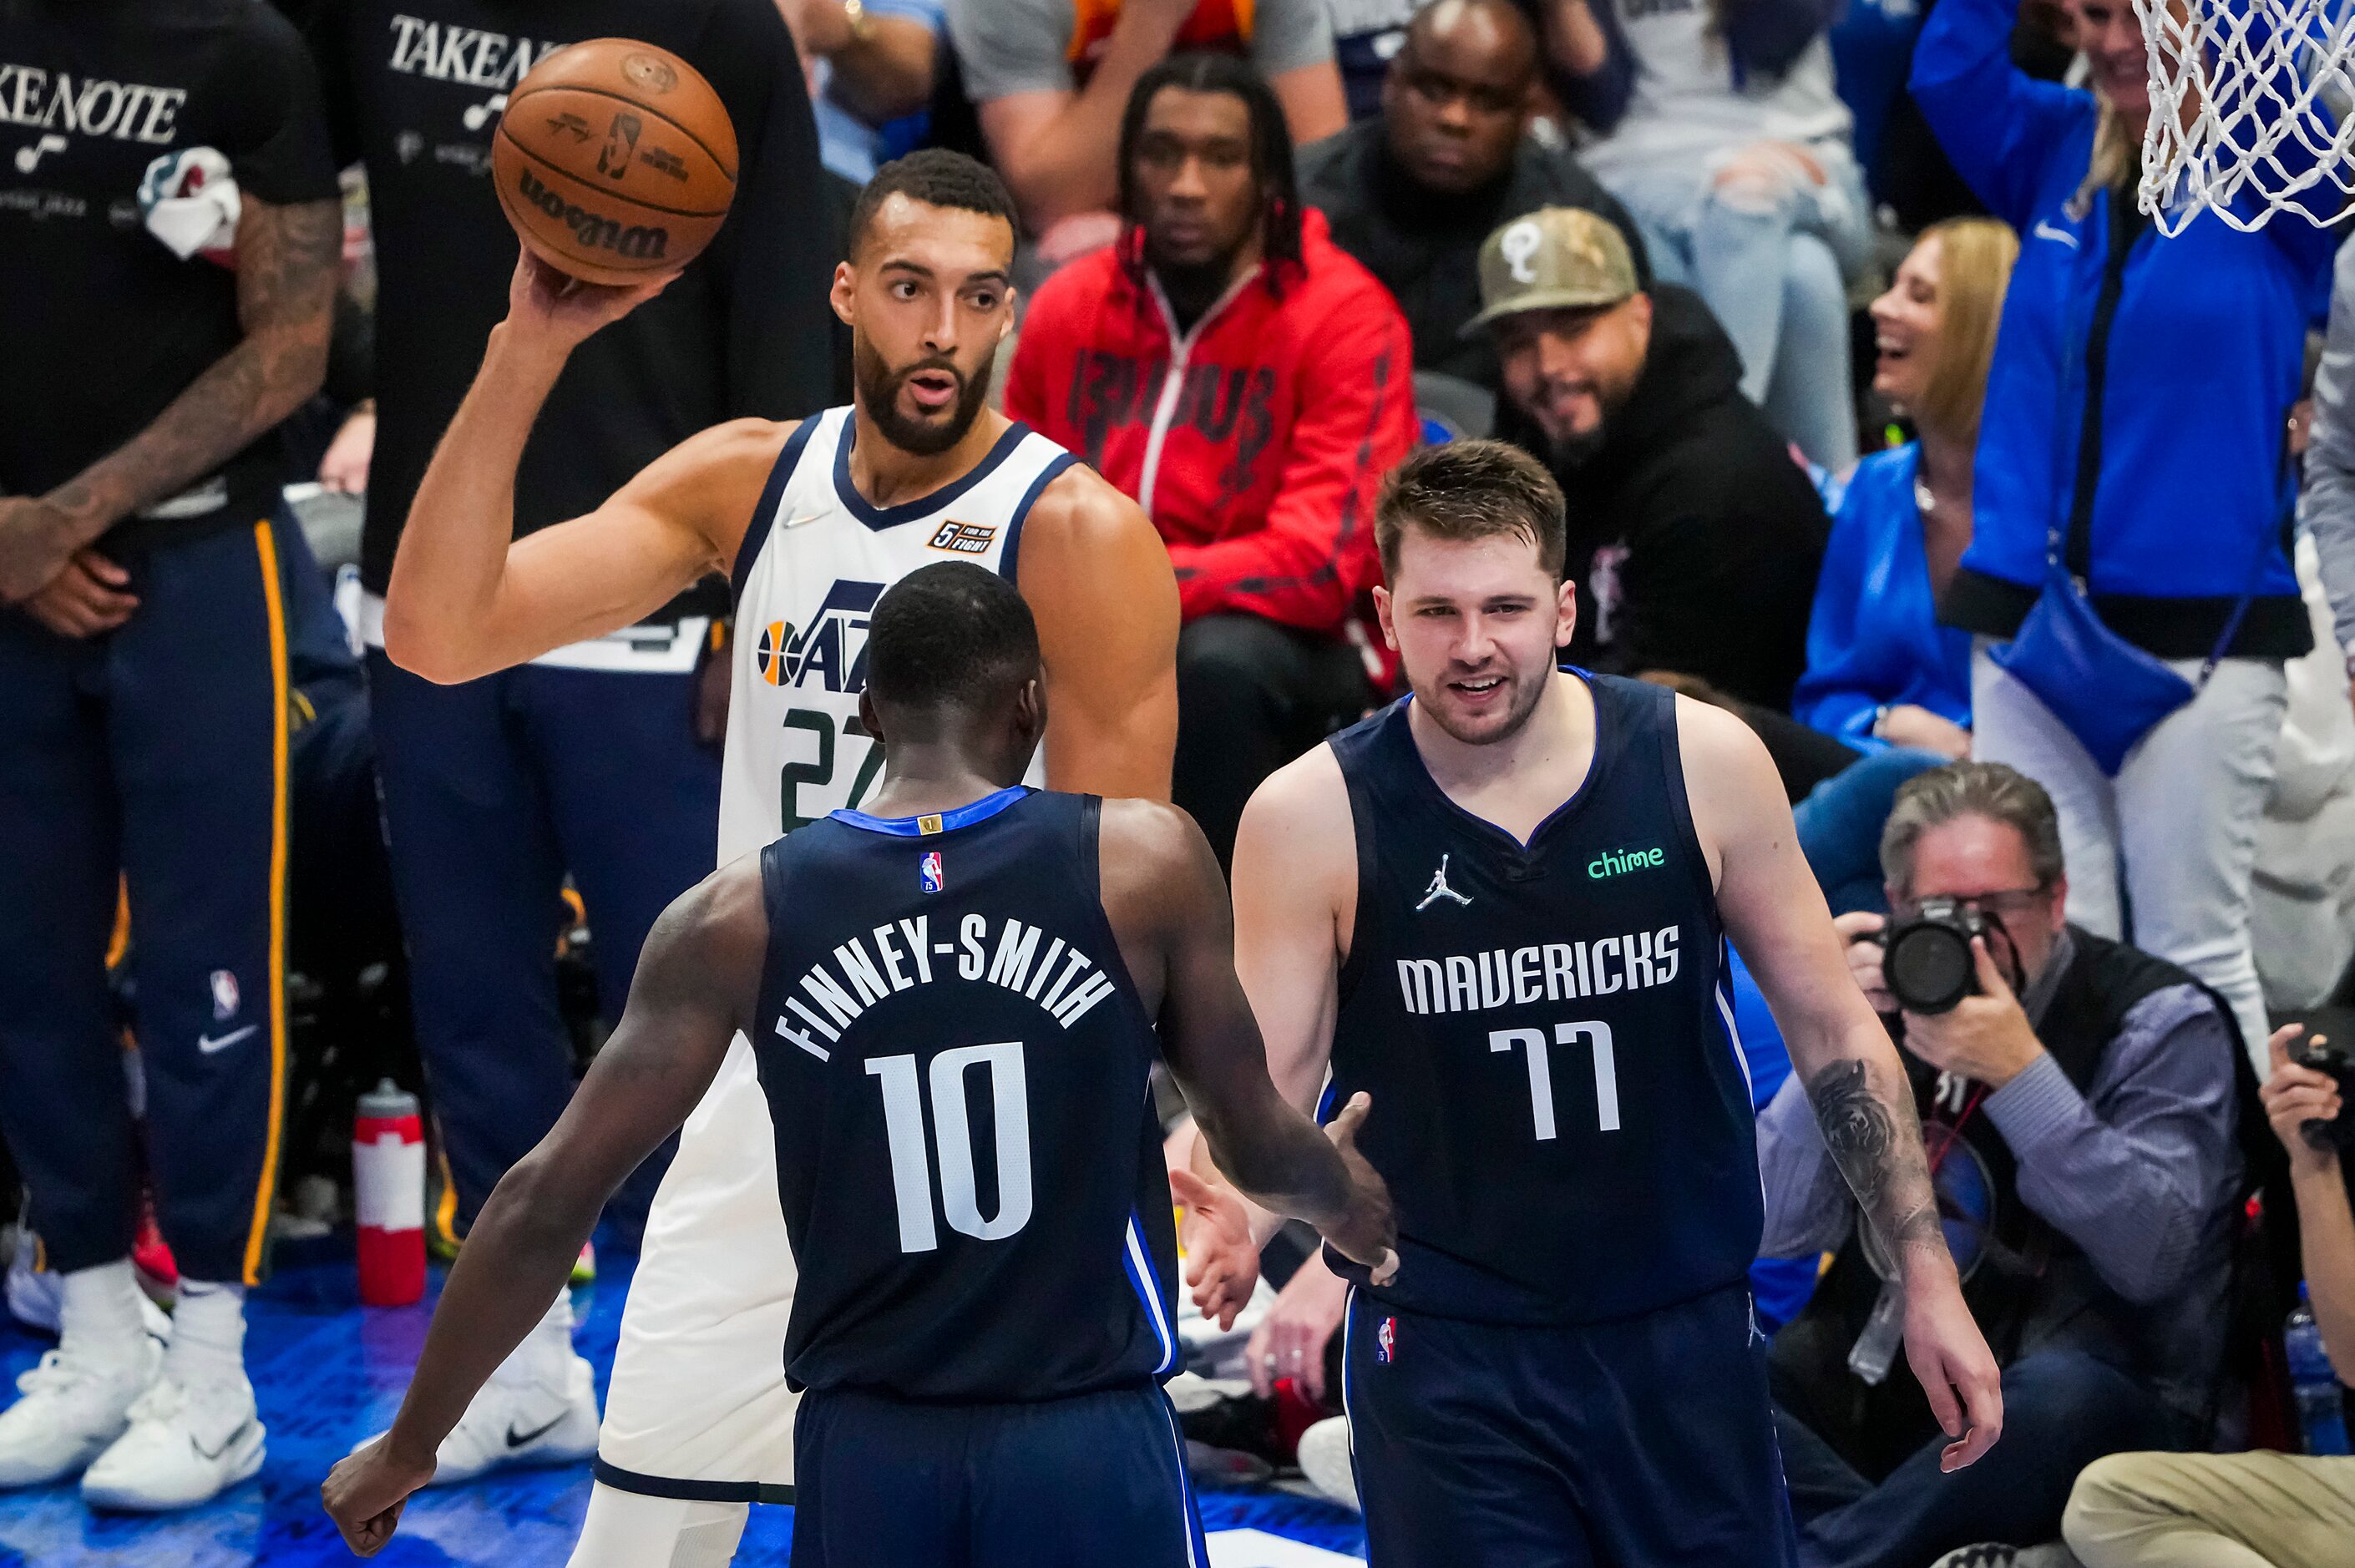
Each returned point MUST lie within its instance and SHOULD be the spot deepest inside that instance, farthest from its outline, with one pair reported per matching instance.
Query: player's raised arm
(696, 985)
(1776, 914)
(1164, 879)
(1098, 579)
(466, 597)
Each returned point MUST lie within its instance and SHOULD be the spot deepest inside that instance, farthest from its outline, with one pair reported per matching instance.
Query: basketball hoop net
(2249, 110)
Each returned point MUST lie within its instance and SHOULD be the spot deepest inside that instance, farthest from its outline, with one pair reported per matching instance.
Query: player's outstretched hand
(1958, 1371)
(1222, 1264)
(1368, 1233)
(560, 310)
(366, 1492)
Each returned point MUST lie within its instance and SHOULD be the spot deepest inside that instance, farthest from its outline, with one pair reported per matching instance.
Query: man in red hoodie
(1250, 384)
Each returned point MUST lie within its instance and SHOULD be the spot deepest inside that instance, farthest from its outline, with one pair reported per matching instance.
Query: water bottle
(388, 1191)
(2321, 1415)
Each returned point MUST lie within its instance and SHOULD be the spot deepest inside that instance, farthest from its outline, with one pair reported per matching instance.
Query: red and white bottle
(388, 1191)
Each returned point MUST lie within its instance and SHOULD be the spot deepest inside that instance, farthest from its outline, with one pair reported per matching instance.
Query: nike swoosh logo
(209, 1454)
(2044, 230)
(808, 517)
(516, 1440)
(208, 1044)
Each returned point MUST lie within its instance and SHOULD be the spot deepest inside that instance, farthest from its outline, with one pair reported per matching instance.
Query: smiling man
(1249, 384)
(1694, 537)
(1501, 906)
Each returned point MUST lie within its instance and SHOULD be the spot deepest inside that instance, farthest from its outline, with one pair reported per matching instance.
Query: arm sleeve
(1289, 34)
(276, 143)
(2134, 1175)
(1307, 564)
(1831, 696)
(1766, 36)
(1006, 47)
(1808, 1207)
(774, 262)
(1999, 127)
(1598, 100)
(2331, 454)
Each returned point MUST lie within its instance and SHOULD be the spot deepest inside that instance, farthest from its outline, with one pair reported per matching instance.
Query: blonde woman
(2131, 466)
(1882, 672)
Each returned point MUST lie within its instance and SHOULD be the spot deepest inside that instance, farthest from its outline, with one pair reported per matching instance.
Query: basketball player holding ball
(1500, 906)
(815, 520)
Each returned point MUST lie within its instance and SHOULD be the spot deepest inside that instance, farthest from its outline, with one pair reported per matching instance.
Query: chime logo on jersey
(1386, 1341)
(966, 538)
(928, 871)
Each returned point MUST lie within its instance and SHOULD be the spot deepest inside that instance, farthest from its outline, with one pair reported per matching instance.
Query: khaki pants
(2214, 1511)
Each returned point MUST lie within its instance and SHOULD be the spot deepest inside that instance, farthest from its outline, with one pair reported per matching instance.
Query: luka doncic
(953, 996)
(1500, 906)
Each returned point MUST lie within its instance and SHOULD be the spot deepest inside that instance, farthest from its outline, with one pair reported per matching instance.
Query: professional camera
(1925, 959)
(2338, 1132)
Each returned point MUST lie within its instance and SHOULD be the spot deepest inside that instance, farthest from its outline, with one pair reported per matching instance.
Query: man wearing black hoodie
(1694, 534)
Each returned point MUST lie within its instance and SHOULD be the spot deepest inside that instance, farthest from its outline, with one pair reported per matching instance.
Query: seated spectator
(2259, 1510)
(870, 70)
(1414, 193)
(1721, 128)
(1882, 672)
(1694, 538)
(1250, 384)
(1049, 80)
(2079, 1115)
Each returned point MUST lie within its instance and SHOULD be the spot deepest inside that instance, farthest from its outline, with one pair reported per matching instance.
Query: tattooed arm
(1774, 912)
(287, 260)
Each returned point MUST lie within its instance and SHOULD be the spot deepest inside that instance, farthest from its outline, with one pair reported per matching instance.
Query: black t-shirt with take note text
(102, 325)
(415, 88)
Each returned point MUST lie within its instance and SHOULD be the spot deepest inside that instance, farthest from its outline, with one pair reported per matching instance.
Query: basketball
(615, 161)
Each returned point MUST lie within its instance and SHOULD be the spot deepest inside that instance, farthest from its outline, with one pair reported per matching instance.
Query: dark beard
(1573, 453)
(879, 385)
(1192, 290)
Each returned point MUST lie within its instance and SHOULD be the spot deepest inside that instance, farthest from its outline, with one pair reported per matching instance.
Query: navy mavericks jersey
(1560, 1106)
(956, 1060)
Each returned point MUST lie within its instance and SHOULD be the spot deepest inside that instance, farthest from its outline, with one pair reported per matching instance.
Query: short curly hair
(937, 177)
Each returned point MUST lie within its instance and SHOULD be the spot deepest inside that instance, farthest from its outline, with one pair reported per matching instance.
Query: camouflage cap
(1556, 259)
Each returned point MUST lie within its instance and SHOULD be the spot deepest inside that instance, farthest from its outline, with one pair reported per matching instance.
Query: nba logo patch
(225, 997)
(928, 871)
(1386, 1341)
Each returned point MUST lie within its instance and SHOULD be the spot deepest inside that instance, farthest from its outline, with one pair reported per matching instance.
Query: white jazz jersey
(699, 1393)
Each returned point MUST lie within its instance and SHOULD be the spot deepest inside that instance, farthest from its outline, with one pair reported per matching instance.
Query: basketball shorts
(1080, 1482)
(1644, 1442)
(699, 1407)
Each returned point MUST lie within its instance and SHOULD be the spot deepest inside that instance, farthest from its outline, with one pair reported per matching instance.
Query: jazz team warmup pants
(493, 789)
(156, 752)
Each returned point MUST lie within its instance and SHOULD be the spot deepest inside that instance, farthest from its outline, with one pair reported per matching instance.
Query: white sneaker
(69, 1415)
(1325, 1460)
(510, 1426)
(182, 1449)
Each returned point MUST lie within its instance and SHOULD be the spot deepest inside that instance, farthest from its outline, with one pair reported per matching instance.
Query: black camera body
(2338, 1132)
(1925, 959)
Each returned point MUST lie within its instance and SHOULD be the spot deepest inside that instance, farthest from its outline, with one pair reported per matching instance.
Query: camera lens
(1929, 967)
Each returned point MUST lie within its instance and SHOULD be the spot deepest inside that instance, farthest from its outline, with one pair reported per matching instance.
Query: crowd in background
(1886, 419)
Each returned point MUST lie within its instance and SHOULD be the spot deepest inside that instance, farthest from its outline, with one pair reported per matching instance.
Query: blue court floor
(328, 1373)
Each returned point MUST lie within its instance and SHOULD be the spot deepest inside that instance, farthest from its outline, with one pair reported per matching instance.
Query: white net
(2249, 110)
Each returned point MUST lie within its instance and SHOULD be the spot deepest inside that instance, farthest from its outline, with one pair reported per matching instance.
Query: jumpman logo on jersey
(1439, 889)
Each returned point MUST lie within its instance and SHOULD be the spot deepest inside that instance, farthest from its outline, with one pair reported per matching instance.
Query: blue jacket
(2170, 367)
(1873, 639)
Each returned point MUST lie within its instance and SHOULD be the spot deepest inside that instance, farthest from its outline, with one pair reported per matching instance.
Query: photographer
(2078, 1108)
(2153, 1510)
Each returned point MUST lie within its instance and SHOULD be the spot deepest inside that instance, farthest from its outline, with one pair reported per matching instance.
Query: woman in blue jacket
(2136, 424)
(1882, 672)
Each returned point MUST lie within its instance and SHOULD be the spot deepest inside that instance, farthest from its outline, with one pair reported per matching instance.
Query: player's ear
(871, 720)
(1030, 710)
(846, 285)
(1565, 612)
(1382, 613)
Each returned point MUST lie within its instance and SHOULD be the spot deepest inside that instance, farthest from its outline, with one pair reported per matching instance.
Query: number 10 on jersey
(911, 1164)
(1597, 1034)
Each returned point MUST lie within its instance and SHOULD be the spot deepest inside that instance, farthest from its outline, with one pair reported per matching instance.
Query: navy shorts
(1644, 1442)
(1062, 1483)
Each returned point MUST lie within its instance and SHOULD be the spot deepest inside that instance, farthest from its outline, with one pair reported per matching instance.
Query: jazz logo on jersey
(1439, 889)
(928, 871)
(966, 538)
(1386, 1341)
(831, 651)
